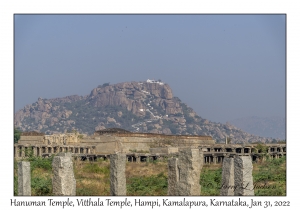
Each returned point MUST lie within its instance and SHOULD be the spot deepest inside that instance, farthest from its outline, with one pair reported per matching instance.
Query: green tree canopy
(17, 134)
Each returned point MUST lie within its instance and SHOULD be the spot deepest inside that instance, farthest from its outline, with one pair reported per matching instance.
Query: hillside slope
(147, 106)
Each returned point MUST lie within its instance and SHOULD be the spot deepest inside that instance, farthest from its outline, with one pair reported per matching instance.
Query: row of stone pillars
(213, 159)
(20, 150)
(183, 175)
(63, 182)
(131, 158)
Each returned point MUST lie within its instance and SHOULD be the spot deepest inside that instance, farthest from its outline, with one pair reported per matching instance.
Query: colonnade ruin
(138, 147)
(183, 175)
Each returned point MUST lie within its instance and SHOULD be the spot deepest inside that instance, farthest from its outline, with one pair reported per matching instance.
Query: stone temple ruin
(138, 147)
(183, 175)
(186, 155)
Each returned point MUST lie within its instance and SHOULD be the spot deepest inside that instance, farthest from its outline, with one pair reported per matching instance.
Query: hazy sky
(223, 66)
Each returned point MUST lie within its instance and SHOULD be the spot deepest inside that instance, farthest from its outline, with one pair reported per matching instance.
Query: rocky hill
(147, 106)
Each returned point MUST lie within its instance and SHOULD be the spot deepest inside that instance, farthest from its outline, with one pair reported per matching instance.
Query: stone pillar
(227, 184)
(22, 151)
(34, 151)
(24, 178)
(201, 159)
(185, 173)
(63, 182)
(117, 174)
(243, 180)
(41, 151)
(173, 176)
(215, 158)
(16, 151)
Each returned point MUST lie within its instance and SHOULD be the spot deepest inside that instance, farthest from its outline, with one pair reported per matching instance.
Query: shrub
(38, 162)
(155, 185)
(15, 185)
(41, 186)
(210, 181)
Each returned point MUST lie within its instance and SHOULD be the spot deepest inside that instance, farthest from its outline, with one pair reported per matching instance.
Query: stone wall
(107, 144)
(31, 140)
(164, 150)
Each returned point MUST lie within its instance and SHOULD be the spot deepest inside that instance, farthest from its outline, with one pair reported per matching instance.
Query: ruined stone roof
(111, 130)
(32, 133)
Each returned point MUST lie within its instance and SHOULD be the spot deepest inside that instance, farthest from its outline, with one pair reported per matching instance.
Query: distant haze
(224, 66)
(273, 127)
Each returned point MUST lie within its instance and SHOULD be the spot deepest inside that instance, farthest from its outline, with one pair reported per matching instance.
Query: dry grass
(92, 178)
(42, 173)
(145, 169)
(212, 166)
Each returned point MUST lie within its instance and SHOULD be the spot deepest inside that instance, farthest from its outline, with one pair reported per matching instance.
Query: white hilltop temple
(154, 81)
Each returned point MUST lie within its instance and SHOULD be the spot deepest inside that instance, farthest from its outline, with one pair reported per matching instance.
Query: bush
(262, 148)
(271, 170)
(210, 181)
(38, 162)
(155, 185)
(17, 134)
(15, 185)
(41, 186)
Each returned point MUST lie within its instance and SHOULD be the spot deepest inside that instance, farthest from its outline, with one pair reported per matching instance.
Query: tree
(17, 135)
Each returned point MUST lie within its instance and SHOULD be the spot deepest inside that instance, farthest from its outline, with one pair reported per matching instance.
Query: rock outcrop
(147, 106)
